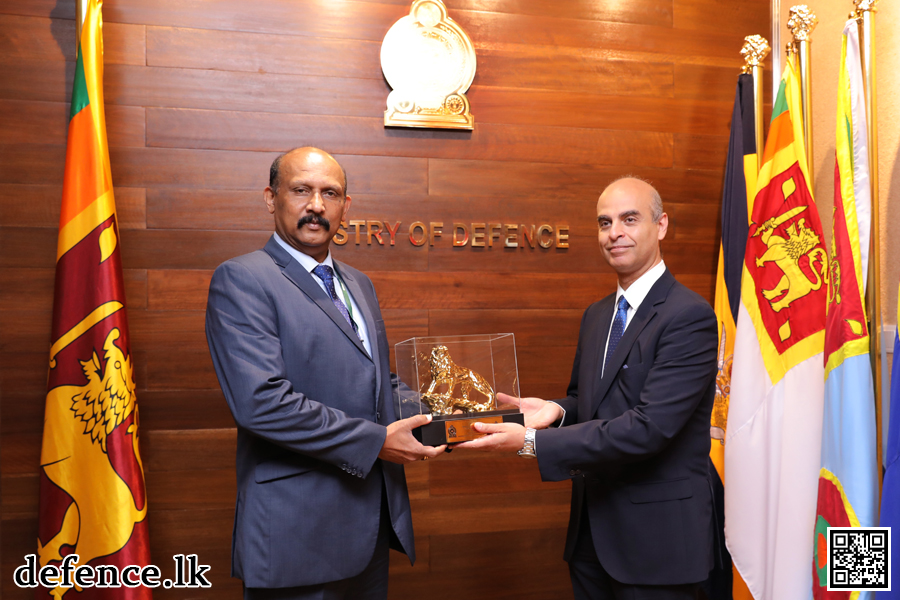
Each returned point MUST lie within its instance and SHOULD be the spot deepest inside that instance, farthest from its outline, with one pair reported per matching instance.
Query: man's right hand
(539, 414)
(401, 447)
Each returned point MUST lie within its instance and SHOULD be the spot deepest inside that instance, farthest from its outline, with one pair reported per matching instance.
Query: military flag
(772, 445)
(848, 479)
(740, 184)
(890, 487)
(93, 500)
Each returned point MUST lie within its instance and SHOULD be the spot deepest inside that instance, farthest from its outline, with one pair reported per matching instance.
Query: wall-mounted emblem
(429, 61)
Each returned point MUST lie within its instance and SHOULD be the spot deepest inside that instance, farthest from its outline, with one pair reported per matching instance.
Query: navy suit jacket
(311, 408)
(635, 442)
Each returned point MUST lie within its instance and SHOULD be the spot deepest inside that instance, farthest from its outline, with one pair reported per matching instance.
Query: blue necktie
(325, 273)
(618, 329)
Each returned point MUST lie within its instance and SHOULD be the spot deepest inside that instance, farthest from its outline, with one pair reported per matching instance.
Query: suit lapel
(365, 303)
(304, 280)
(645, 313)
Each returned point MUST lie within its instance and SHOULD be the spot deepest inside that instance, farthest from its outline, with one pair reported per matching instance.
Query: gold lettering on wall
(540, 235)
(373, 228)
(475, 235)
(436, 230)
(562, 236)
(355, 224)
(340, 238)
(477, 238)
(528, 235)
(511, 240)
(412, 233)
(457, 241)
(493, 233)
(392, 231)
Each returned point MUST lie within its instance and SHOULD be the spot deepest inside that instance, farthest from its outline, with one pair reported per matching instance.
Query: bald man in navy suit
(633, 431)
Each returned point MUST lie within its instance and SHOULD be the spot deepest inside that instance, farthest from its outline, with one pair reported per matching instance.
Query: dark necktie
(618, 329)
(325, 273)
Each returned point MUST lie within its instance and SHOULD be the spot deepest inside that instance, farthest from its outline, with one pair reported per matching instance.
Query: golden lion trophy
(455, 378)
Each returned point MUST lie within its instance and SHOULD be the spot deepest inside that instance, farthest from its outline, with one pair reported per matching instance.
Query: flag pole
(802, 22)
(80, 9)
(754, 51)
(865, 13)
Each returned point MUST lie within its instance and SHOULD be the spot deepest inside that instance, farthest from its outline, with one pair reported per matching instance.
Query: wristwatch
(527, 450)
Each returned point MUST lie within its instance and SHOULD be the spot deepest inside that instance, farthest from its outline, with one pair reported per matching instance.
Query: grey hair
(656, 204)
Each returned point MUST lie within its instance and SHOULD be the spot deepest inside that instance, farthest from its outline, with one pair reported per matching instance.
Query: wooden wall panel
(200, 49)
(649, 12)
(217, 130)
(501, 179)
(201, 96)
(30, 79)
(251, 91)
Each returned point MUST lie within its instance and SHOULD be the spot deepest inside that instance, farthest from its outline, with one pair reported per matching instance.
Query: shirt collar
(638, 290)
(306, 261)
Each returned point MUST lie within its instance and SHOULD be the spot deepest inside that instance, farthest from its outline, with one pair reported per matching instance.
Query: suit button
(378, 416)
(575, 472)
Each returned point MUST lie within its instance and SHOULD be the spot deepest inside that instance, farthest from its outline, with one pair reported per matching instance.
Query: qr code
(859, 558)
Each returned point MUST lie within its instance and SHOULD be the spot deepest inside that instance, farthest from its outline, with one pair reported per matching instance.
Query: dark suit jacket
(636, 441)
(311, 408)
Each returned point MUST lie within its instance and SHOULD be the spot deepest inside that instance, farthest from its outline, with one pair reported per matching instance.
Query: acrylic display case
(456, 379)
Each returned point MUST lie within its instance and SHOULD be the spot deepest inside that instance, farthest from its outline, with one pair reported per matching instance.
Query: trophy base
(451, 429)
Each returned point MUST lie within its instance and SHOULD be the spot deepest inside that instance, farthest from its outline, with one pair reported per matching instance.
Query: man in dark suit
(300, 350)
(634, 434)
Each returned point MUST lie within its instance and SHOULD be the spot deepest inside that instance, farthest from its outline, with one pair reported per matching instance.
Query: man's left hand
(501, 437)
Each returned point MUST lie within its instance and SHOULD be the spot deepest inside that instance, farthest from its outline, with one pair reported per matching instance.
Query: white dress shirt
(309, 263)
(634, 295)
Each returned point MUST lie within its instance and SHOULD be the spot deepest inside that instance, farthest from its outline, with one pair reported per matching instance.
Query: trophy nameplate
(452, 430)
(455, 379)
(429, 62)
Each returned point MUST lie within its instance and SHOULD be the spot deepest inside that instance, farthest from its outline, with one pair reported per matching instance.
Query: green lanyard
(345, 294)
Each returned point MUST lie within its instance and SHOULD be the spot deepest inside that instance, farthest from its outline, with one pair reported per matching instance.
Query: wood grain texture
(202, 96)
(251, 91)
(211, 169)
(250, 52)
(35, 79)
(648, 12)
(540, 328)
(262, 132)
(54, 39)
(584, 183)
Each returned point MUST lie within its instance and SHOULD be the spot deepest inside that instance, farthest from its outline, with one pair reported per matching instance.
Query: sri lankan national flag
(740, 184)
(93, 500)
(773, 442)
(848, 479)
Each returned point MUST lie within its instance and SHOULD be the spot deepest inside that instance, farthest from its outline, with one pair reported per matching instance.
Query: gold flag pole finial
(865, 14)
(802, 22)
(863, 6)
(755, 50)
